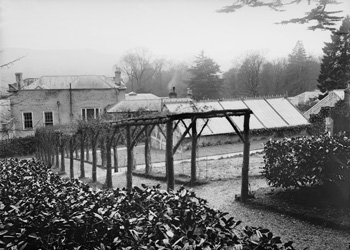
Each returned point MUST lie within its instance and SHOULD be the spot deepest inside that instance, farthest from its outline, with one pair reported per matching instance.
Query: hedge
(21, 146)
(39, 210)
(302, 161)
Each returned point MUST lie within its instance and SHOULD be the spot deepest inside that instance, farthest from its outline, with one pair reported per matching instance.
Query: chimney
(172, 94)
(117, 77)
(19, 80)
(189, 93)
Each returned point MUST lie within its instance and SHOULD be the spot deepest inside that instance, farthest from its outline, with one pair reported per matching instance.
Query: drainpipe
(70, 102)
(58, 112)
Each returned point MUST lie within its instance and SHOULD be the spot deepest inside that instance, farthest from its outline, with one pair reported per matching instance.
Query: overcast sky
(176, 29)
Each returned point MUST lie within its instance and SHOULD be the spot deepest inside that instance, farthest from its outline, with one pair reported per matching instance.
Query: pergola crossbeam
(234, 126)
(182, 138)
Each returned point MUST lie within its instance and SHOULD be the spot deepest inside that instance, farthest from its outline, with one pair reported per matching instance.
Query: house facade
(53, 100)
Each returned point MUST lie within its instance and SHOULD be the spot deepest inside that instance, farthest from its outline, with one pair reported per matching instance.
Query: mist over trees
(254, 75)
(301, 72)
(147, 73)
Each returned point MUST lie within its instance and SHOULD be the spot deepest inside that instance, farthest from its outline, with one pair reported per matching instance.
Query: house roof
(267, 113)
(328, 101)
(75, 82)
(134, 102)
(304, 97)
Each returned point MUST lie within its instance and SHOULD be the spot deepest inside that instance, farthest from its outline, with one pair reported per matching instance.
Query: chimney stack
(19, 80)
(172, 94)
(117, 77)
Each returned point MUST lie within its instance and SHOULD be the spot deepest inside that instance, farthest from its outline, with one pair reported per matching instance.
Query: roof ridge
(67, 75)
(99, 76)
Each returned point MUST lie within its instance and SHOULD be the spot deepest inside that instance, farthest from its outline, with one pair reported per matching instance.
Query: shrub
(297, 162)
(17, 146)
(39, 210)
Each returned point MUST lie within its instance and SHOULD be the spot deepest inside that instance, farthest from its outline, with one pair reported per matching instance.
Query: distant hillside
(39, 63)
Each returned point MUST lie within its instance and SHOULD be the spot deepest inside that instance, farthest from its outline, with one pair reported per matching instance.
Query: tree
(230, 83)
(205, 82)
(250, 73)
(138, 65)
(335, 66)
(325, 20)
(273, 77)
(301, 72)
(10, 63)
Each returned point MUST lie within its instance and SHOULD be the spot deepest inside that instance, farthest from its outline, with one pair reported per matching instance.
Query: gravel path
(220, 195)
(300, 232)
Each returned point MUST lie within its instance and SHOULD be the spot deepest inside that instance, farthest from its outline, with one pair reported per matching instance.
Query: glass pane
(83, 114)
(90, 113)
(48, 118)
(28, 121)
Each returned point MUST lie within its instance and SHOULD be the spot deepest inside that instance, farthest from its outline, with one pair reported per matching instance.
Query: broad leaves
(39, 210)
(296, 162)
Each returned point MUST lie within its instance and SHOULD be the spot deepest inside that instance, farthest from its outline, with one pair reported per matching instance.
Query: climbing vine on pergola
(52, 141)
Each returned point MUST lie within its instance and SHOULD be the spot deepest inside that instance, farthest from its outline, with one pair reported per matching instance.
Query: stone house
(52, 100)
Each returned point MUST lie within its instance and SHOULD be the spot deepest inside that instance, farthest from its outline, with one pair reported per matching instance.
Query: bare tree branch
(7, 65)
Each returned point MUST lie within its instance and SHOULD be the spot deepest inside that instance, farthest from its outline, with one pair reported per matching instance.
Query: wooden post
(245, 167)
(194, 152)
(82, 147)
(148, 163)
(103, 151)
(57, 154)
(63, 165)
(94, 158)
(71, 157)
(115, 158)
(87, 149)
(109, 183)
(169, 161)
(130, 159)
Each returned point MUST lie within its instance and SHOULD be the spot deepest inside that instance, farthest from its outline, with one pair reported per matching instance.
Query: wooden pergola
(135, 127)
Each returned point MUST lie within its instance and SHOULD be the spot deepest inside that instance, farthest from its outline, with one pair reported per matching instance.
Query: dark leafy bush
(297, 162)
(17, 147)
(38, 210)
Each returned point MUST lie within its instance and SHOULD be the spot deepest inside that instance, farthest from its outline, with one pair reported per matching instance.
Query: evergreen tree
(335, 67)
(205, 81)
(301, 71)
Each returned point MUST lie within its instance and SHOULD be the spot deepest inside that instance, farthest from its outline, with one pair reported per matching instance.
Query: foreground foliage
(17, 147)
(302, 161)
(39, 210)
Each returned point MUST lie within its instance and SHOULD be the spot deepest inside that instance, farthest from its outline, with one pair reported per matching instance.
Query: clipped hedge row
(296, 162)
(17, 147)
(39, 210)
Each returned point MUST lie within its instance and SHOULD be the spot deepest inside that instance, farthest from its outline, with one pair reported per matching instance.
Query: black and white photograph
(175, 124)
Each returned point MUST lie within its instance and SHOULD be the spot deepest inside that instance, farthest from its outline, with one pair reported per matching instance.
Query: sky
(176, 30)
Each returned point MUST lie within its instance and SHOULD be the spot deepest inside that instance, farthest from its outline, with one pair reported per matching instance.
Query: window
(27, 120)
(48, 119)
(90, 113)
